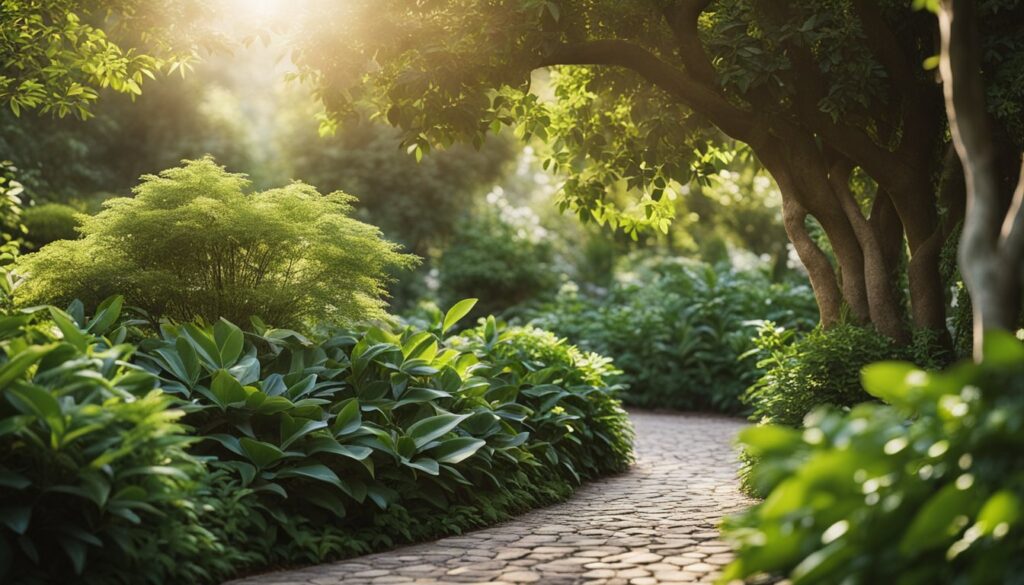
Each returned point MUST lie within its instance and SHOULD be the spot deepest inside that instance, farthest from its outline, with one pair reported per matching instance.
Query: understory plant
(680, 329)
(193, 244)
(203, 451)
(925, 489)
(802, 371)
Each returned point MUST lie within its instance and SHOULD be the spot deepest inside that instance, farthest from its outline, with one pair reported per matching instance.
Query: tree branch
(681, 17)
(738, 123)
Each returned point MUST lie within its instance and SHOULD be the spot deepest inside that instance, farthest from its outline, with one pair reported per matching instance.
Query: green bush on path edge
(198, 453)
(926, 489)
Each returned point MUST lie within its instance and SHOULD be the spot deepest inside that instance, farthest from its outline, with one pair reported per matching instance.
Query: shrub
(91, 449)
(802, 372)
(821, 367)
(679, 329)
(192, 244)
(492, 258)
(50, 222)
(872, 496)
(299, 450)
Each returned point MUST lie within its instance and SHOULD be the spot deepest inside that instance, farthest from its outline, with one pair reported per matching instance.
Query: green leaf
(457, 450)
(890, 381)
(433, 427)
(425, 465)
(42, 404)
(349, 418)
(316, 471)
(261, 454)
(106, 315)
(1003, 508)
(226, 389)
(22, 361)
(16, 517)
(331, 445)
(457, 312)
(293, 429)
(72, 334)
(75, 550)
(229, 340)
(763, 439)
(10, 479)
(932, 525)
(1001, 348)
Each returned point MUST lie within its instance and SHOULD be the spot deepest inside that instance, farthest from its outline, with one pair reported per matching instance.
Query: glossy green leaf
(457, 312)
(430, 428)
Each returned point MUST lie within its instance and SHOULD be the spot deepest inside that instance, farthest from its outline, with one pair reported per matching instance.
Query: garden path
(655, 523)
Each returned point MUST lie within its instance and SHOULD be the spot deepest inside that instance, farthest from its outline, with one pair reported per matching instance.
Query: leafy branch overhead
(642, 94)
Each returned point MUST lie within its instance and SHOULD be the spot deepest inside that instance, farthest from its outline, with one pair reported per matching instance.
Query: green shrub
(872, 496)
(492, 258)
(378, 436)
(821, 367)
(205, 451)
(50, 222)
(192, 244)
(679, 329)
(92, 454)
(802, 372)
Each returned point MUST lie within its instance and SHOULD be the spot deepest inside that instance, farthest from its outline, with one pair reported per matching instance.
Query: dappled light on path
(657, 523)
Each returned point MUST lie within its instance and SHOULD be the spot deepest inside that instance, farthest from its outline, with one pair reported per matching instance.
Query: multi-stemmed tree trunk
(992, 244)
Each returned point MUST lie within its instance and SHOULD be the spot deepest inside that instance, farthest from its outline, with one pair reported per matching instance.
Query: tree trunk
(992, 242)
(884, 310)
(819, 269)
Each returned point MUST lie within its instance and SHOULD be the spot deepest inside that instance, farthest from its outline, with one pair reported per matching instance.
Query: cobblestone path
(654, 524)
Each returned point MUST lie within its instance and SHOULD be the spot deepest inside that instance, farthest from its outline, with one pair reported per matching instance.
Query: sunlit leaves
(62, 57)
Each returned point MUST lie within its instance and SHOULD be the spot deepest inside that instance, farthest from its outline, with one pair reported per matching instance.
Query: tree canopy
(57, 55)
(641, 93)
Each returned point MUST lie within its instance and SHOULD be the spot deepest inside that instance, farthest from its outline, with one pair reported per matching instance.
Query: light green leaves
(457, 312)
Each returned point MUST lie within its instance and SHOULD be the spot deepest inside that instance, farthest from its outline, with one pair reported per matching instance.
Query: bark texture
(992, 243)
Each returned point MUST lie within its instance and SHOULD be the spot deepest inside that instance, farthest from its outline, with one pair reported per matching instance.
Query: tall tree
(818, 90)
(992, 244)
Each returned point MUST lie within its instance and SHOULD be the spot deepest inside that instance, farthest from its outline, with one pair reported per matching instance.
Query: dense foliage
(680, 330)
(205, 451)
(871, 496)
(803, 371)
(57, 56)
(193, 244)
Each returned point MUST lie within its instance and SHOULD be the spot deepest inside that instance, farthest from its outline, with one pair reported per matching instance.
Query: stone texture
(656, 523)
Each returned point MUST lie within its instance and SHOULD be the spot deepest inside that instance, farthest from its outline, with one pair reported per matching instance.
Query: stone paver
(657, 523)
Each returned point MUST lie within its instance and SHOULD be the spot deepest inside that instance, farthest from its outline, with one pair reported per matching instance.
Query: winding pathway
(654, 524)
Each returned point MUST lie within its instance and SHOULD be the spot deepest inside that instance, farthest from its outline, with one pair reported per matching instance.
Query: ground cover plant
(247, 450)
(680, 330)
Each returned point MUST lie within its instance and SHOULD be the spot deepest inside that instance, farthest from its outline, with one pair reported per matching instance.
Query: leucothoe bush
(680, 330)
(201, 451)
(925, 489)
(193, 244)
